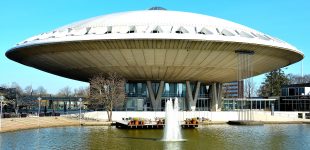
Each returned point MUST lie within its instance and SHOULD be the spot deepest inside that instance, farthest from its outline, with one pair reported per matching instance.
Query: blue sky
(285, 19)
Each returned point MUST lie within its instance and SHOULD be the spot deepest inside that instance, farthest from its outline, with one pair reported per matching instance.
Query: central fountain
(172, 130)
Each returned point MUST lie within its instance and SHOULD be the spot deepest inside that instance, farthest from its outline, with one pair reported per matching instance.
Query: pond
(296, 136)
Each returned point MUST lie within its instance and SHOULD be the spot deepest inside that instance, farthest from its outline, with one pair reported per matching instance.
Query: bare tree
(250, 88)
(41, 91)
(18, 89)
(298, 79)
(28, 90)
(107, 92)
(66, 91)
(82, 91)
(18, 93)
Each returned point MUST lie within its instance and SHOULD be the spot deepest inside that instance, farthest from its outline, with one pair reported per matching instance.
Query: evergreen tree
(272, 84)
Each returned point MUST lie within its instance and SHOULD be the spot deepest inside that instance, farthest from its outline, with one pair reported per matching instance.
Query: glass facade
(293, 91)
(138, 98)
(294, 98)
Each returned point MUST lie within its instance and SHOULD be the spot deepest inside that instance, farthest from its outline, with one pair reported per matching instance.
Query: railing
(287, 115)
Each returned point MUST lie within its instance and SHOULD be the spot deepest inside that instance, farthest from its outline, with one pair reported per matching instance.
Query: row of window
(170, 89)
(293, 91)
(146, 29)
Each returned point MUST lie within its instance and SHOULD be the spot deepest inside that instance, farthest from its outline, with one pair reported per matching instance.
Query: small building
(295, 97)
(233, 89)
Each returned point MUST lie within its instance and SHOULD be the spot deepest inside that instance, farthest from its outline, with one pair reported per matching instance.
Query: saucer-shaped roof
(154, 44)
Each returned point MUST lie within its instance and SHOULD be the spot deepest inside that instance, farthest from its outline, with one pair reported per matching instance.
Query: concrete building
(161, 53)
(233, 89)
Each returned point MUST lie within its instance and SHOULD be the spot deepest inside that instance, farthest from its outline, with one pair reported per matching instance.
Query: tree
(18, 91)
(66, 91)
(41, 91)
(107, 92)
(272, 84)
(28, 90)
(249, 88)
(298, 79)
(82, 92)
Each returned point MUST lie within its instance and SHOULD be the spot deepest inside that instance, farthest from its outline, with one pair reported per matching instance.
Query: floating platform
(124, 125)
(245, 122)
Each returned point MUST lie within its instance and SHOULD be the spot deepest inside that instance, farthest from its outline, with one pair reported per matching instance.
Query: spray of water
(172, 131)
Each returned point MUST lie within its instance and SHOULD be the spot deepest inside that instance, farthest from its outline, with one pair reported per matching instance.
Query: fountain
(172, 131)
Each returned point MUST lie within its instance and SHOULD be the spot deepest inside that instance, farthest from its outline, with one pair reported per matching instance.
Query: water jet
(172, 130)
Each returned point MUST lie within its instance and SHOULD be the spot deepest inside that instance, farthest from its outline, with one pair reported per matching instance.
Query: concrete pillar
(151, 92)
(216, 96)
(156, 101)
(219, 96)
(213, 97)
(190, 100)
(189, 95)
(197, 89)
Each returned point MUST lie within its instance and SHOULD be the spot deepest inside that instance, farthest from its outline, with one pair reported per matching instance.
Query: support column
(219, 96)
(156, 101)
(216, 96)
(191, 101)
(213, 97)
(189, 95)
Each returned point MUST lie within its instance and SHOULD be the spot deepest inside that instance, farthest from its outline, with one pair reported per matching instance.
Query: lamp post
(39, 100)
(1, 100)
(80, 100)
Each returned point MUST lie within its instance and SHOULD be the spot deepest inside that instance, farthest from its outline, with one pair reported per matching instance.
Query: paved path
(14, 124)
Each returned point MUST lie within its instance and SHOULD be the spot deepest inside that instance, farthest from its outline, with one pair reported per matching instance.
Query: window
(291, 91)
(87, 30)
(204, 31)
(227, 33)
(97, 30)
(253, 34)
(263, 37)
(181, 30)
(245, 34)
(301, 91)
(157, 30)
(132, 29)
(109, 30)
(284, 92)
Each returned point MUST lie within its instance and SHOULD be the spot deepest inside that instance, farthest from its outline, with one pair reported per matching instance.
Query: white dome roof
(156, 23)
(154, 44)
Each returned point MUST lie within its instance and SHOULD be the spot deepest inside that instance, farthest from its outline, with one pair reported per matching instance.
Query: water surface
(204, 137)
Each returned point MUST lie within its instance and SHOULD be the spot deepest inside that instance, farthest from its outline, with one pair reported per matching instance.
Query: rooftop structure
(152, 45)
(155, 45)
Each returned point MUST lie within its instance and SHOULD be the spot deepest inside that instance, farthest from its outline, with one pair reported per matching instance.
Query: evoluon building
(161, 53)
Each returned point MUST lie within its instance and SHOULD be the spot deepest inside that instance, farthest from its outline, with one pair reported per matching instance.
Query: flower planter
(136, 122)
